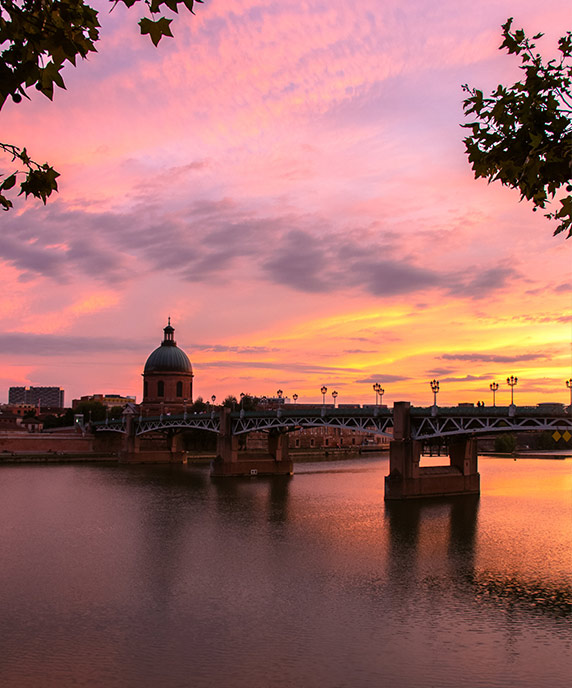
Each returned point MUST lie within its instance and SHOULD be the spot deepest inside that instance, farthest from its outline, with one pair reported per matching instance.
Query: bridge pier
(136, 449)
(407, 480)
(230, 463)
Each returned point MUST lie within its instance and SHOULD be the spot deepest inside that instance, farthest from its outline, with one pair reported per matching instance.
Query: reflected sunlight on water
(146, 576)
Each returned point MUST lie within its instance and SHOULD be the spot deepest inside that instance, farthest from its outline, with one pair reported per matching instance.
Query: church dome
(168, 357)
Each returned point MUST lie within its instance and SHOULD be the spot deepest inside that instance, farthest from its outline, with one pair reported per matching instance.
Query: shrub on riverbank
(505, 444)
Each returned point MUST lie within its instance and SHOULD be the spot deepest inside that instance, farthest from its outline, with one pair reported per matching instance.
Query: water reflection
(445, 531)
(422, 529)
(147, 576)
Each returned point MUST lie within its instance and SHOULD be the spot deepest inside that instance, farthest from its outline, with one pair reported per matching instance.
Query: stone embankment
(30, 446)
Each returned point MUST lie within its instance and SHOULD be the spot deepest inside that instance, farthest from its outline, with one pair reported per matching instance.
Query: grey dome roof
(168, 357)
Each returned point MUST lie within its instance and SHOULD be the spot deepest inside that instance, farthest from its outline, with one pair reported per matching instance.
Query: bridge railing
(425, 421)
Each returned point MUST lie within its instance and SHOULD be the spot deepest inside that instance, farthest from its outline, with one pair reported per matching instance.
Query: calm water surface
(159, 576)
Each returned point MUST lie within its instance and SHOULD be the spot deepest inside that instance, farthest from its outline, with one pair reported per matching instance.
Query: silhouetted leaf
(156, 29)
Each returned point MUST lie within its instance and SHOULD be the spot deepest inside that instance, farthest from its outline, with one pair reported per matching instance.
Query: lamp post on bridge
(381, 392)
(511, 382)
(323, 389)
(335, 395)
(376, 390)
(435, 389)
(213, 398)
(279, 394)
(295, 397)
(569, 385)
(493, 387)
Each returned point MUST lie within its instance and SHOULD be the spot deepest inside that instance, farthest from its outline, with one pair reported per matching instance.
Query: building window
(353, 440)
(160, 388)
(297, 442)
(312, 442)
(145, 388)
(179, 389)
(327, 442)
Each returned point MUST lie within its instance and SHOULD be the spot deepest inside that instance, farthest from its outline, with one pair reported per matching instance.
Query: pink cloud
(273, 177)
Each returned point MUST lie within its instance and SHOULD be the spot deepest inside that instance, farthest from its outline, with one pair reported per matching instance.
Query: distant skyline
(289, 184)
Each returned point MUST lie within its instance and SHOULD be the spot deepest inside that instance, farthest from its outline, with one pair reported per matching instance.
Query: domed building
(167, 377)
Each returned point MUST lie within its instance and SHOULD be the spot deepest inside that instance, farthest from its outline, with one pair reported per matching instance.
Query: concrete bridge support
(158, 448)
(407, 480)
(230, 462)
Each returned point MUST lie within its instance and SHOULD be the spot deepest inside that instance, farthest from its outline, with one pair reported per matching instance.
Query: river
(114, 576)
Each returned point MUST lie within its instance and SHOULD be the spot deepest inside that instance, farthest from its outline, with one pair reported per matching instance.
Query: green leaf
(5, 203)
(189, 4)
(523, 133)
(9, 182)
(156, 29)
(173, 5)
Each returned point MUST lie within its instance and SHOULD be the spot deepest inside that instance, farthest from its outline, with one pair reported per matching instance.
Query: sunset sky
(287, 182)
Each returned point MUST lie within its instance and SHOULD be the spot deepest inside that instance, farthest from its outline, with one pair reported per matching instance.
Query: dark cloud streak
(206, 239)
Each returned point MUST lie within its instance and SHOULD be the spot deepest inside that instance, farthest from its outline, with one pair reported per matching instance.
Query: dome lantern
(169, 331)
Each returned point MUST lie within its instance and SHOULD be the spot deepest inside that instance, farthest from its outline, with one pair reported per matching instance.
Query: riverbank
(56, 457)
(199, 458)
(548, 455)
(306, 456)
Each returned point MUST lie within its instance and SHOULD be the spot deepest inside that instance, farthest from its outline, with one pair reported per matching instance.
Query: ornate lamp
(511, 382)
(435, 389)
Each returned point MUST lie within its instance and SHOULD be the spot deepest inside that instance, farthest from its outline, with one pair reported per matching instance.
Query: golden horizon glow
(289, 184)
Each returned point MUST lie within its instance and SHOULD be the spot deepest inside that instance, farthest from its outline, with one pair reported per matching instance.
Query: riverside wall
(43, 443)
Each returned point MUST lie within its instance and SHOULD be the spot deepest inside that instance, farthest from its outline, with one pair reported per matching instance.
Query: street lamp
(323, 389)
(242, 395)
(279, 392)
(493, 387)
(335, 395)
(295, 397)
(376, 390)
(569, 385)
(434, 388)
(511, 382)
(381, 392)
(213, 398)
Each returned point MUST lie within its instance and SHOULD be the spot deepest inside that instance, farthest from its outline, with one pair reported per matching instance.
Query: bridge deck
(426, 422)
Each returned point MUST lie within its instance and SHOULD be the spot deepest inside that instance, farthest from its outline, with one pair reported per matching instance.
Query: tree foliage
(522, 135)
(91, 410)
(198, 406)
(505, 444)
(37, 39)
(230, 401)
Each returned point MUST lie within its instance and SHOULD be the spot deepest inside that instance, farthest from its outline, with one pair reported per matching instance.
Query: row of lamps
(511, 381)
